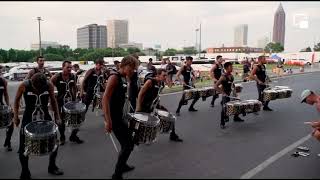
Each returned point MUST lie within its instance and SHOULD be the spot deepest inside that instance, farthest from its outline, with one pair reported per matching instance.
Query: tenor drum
(190, 94)
(167, 120)
(145, 127)
(248, 106)
(74, 114)
(289, 93)
(282, 93)
(269, 95)
(40, 137)
(238, 88)
(233, 107)
(5, 116)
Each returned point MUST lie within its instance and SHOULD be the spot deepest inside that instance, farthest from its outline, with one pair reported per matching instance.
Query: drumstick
(114, 144)
(308, 123)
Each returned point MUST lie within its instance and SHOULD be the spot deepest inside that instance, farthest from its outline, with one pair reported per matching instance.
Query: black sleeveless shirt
(117, 99)
(151, 95)
(261, 73)
(61, 85)
(30, 103)
(227, 84)
(92, 81)
(218, 71)
(1, 90)
(45, 72)
(186, 73)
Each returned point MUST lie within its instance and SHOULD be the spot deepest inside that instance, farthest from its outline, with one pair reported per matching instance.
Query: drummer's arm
(142, 94)
(253, 75)
(6, 96)
(85, 80)
(178, 75)
(112, 83)
(16, 107)
(53, 102)
(54, 79)
(30, 74)
(216, 85)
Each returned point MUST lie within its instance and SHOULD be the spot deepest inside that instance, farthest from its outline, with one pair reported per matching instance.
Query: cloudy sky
(171, 24)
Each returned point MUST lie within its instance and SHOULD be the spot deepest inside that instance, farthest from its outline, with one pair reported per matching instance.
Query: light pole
(39, 19)
(196, 46)
(200, 42)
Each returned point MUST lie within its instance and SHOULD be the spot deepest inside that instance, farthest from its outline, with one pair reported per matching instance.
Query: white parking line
(273, 158)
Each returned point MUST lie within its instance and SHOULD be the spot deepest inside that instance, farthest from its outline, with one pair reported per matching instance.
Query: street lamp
(39, 19)
(200, 42)
(196, 46)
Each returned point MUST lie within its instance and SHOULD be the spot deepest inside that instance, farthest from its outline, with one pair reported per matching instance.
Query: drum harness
(97, 90)
(38, 114)
(67, 96)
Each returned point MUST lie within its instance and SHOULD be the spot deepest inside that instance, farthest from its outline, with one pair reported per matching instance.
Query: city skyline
(170, 24)
(241, 35)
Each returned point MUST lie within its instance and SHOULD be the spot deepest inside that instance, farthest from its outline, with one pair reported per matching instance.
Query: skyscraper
(118, 32)
(241, 35)
(279, 25)
(92, 36)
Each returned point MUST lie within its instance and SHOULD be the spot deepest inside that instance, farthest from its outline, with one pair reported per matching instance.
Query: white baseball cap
(305, 94)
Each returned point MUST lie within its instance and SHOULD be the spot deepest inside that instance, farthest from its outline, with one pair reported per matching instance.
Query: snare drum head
(146, 118)
(162, 113)
(282, 87)
(39, 129)
(74, 107)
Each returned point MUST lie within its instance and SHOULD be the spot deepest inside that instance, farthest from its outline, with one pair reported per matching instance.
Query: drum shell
(282, 93)
(5, 116)
(145, 132)
(167, 121)
(41, 144)
(190, 94)
(269, 95)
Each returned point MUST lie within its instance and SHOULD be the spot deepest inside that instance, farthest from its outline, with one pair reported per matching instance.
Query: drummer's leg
(87, 99)
(122, 133)
(181, 102)
(53, 168)
(173, 135)
(24, 160)
(223, 112)
(9, 132)
(191, 108)
(62, 126)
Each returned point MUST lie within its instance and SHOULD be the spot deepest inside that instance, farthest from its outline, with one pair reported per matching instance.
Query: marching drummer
(113, 103)
(4, 95)
(38, 86)
(259, 75)
(65, 82)
(188, 78)
(226, 81)
(40, 68)
(90, 81)
(215, 73)
(148, 95)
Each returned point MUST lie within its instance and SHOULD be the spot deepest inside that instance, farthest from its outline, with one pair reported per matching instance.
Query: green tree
(170, 52)
(12, 55)
(316, 47)
(4, 55)
(308, 49)
(53, 57)
(274, 48)
(133, 50)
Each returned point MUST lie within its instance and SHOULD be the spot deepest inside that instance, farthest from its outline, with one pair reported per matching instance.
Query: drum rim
(155, 123)
(170, 117)
(74, 111)
(43, 136)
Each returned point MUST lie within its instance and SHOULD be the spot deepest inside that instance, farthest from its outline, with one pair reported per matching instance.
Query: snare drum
(74, 113)
(269, 95)
(203, 93)
(254, 106)
(5, 116)
(167, 120)
(40, 137)
(145, 127)
(248, 106)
